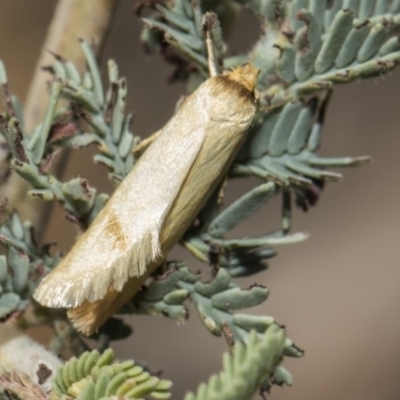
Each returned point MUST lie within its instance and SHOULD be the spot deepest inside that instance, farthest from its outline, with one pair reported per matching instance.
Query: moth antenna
(208, 20)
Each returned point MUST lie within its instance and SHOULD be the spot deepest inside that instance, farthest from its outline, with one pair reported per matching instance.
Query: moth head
(246, 75)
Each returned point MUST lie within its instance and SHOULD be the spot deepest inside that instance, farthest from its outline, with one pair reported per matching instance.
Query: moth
(156, 203)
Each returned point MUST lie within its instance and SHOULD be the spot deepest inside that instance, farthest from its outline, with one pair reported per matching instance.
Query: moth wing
(124, 237)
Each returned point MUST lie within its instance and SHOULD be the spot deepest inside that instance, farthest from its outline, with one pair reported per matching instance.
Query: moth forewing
(124, 238)
(156, 203)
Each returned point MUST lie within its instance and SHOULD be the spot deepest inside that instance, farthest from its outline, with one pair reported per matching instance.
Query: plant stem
(90, 20)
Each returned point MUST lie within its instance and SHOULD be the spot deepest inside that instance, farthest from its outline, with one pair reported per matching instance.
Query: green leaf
(97, 376)
(214, 301)
(350, 49)
(241, 209)
(245, 369)
(37, 140)
(282, 146)
(181, 26)
(19, 263)
(106, 115)
(78, 192)
(182, 29)
(8, 303)
(268, 10)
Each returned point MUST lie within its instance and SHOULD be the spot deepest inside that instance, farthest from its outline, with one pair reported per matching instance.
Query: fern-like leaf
(269, 11)
(245, 369)
(240, 256)
(181, 25)
(33, 154)
(104, 112)
(325, 10)
(215, 302)
(95, 376)
(282, 146)
(22, 265)
(349, 49)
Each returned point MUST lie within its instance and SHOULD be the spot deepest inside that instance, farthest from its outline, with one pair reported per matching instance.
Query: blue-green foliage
(95, 376)
(305, 48)
(245, 369)
(23, 265)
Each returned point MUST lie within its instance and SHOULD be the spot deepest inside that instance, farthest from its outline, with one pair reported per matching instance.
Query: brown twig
(89, 19)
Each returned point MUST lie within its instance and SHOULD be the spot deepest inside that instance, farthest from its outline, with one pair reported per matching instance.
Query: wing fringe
(57, 291)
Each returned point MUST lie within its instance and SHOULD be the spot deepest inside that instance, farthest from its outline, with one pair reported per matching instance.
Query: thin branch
(90, 20)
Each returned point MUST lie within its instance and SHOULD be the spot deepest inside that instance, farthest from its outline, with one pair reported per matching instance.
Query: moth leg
(144, 144)
(221, 192)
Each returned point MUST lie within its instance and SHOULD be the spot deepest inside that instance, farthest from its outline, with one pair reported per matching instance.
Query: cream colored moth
(155, 204)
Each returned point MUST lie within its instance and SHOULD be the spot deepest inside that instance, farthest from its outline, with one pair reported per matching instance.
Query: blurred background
(337, 293)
